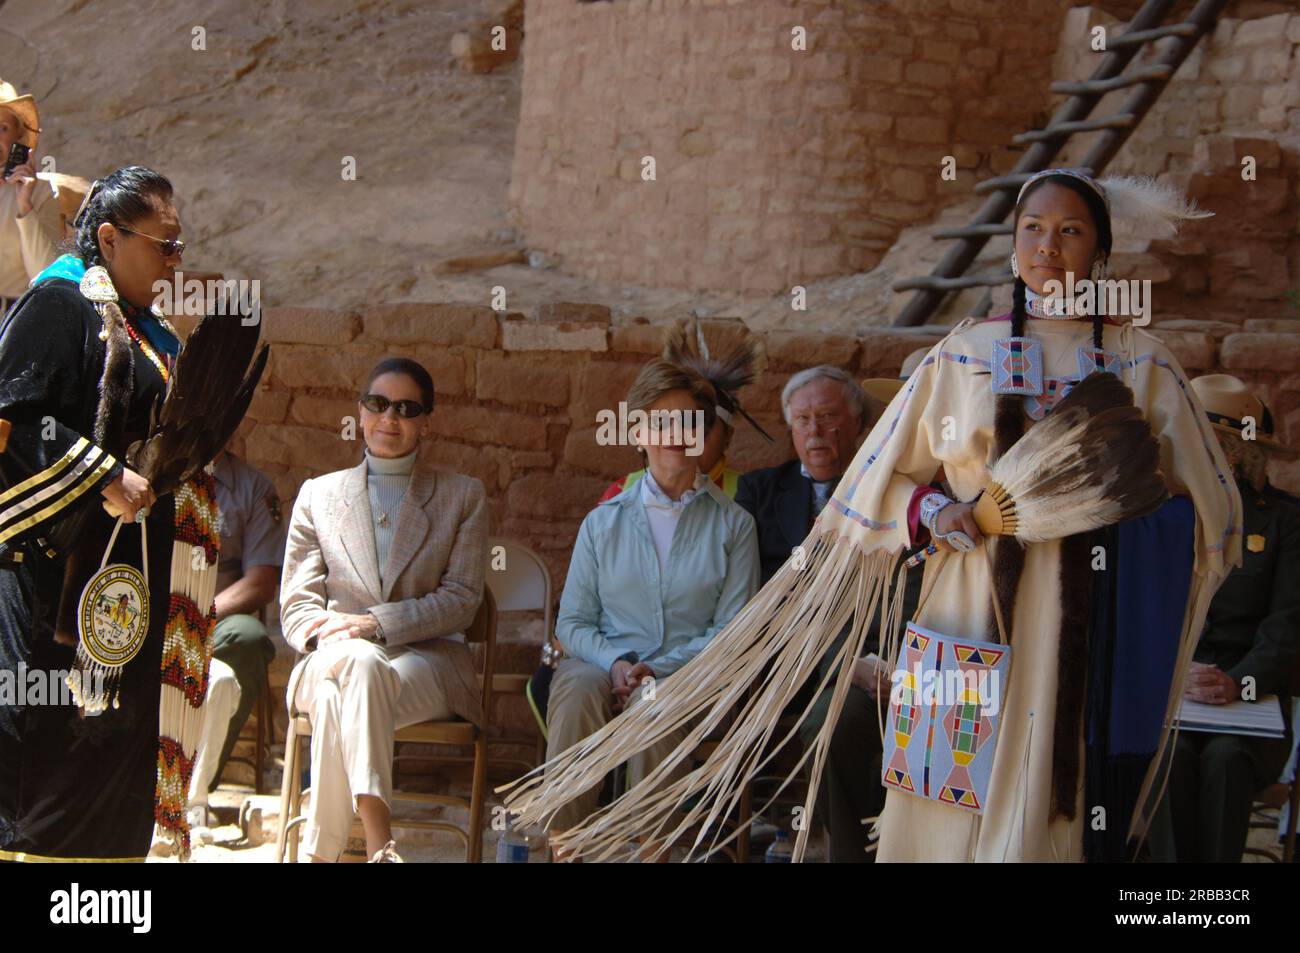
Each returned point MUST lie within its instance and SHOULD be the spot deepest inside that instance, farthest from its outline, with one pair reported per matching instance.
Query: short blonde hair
(661, 377)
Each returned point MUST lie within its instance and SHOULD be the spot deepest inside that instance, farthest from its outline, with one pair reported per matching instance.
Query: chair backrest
(484, 629)
(484, 626)
(519, 579)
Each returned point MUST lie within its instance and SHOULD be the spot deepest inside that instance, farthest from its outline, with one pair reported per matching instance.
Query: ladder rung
(1009, 182)
(1151, 74)
(1159, 33)
(1120, 121)
(933, 283)
(971, 231)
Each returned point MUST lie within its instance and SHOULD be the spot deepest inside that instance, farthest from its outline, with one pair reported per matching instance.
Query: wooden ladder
(1148, 82)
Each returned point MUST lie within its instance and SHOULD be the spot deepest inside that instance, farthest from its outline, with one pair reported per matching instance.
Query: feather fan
(210, 389)
(1090, 463)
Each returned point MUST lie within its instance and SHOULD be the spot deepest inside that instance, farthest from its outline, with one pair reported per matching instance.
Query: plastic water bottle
(781, 851)
(513, 847)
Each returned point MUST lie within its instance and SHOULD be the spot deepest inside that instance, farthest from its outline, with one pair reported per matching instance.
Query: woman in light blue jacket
(656, 573)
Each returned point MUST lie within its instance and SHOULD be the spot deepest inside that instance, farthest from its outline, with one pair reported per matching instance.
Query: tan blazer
(433, 580)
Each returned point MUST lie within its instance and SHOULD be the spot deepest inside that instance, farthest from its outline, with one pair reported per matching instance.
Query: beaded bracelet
(929, 509)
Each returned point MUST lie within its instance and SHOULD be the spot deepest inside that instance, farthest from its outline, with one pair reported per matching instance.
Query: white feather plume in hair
(1146, 208)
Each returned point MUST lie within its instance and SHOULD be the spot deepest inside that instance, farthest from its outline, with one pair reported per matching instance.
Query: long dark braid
(1076, 582)
(1009, 427)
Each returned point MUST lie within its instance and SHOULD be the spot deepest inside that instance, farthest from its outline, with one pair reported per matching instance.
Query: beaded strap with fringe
(187, 651)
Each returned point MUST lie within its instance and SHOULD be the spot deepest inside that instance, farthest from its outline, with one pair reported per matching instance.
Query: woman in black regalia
(77, 392)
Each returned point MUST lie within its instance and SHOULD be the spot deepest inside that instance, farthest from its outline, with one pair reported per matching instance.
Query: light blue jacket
(615, 602)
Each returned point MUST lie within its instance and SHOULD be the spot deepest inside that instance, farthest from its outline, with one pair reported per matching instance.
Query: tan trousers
(581, 703)
(358, 694)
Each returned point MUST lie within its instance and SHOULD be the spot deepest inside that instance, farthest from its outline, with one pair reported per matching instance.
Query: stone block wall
(774, 166)
(1226, 130)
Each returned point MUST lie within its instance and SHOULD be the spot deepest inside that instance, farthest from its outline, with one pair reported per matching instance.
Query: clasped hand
(625, 678)
(338, 626)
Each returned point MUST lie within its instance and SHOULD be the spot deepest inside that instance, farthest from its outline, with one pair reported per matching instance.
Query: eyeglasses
(167, 247)
(377, 403)
(826, 423)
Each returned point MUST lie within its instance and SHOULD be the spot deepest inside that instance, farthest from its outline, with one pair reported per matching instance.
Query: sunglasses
(167, 247)
(377, 403)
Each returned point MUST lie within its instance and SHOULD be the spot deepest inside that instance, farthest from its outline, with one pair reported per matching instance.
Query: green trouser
(850, 788)
(242, 643)
(1205, 813)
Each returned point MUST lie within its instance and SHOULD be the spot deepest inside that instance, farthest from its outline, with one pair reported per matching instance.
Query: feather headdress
(1091, 463)
(728, 372)
(1145, 208)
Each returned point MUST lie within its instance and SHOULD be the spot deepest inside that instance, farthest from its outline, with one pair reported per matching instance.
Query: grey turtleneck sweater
(386, 481)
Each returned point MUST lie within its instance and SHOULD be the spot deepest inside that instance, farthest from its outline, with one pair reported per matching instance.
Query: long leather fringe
(752, 668)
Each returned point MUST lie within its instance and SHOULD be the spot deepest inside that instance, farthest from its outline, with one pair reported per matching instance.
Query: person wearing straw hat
(30, 226)
(988, 385)
(1247, 650)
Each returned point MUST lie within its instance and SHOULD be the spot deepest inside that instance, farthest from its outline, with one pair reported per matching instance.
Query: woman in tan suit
(382, 575)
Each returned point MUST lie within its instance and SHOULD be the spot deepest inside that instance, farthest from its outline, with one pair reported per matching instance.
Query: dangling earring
(1098, 270)
(1015, 268)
